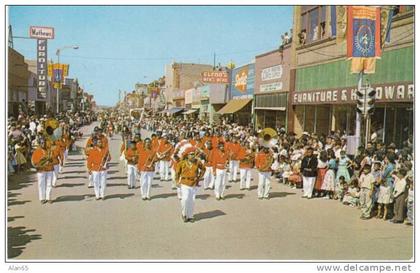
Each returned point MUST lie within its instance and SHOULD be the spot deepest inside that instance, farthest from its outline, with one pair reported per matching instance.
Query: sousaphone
(268, 137)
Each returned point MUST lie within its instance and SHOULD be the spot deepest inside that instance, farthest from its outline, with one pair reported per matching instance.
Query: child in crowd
(329, 180)
(295, 179)
(351, 197)
(340, 189)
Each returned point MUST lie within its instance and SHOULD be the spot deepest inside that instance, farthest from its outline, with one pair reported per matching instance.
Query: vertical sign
(42, 69)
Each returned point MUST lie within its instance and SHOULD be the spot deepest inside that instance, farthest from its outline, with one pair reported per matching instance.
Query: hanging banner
(42, 67)
(52, 67)
(363, 38)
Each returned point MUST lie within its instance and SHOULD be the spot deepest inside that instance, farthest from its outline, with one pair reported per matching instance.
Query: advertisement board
(242, 86)
(43, 33)
(215, 77)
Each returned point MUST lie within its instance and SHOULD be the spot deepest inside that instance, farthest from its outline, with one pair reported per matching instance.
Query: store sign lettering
(396, 92)
(272, 73)
(276, 86)
(42, 69)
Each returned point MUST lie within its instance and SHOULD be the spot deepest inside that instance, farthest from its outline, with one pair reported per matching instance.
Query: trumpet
(105, 159)
(150, 161)
(161, 156)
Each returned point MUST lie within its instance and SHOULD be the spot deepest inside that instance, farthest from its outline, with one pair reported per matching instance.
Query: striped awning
(234, 106)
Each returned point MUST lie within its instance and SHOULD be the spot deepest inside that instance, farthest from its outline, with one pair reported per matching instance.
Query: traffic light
(365, 100)
(370, 100)
(360, 101)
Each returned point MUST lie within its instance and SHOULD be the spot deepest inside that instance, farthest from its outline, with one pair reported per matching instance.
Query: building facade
(323, 97)
(272, 86)
(180, 77)
(18, 83)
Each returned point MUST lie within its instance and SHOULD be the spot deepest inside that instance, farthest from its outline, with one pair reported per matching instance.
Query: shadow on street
(17, 239)
(69, 198)
(208, 214)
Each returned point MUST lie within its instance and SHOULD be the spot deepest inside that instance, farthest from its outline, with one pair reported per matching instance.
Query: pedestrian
(57, 161)
(263, 161)
(131, 155)
(97, 162)
(246, 156)
(321, 170)
(220, 160)
(308, 169)
(328, 185)
(410, 201)
(42, 161)
(164, 152)
(385, 188)
(399, 196)
(188, 174)
(367, 187)
(343, 165)
(145, 165)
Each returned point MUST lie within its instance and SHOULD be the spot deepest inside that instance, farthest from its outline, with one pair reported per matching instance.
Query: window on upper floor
(313, 24)
(402, 9)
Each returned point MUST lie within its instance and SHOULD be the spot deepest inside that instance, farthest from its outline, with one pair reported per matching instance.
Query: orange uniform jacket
(37, 155)
(130, 155)
(209, 157)
(219, 159)
(57, 155)
(233, 150)
(96, 159)
(163, 148)
(188, 173)
(261, 161)
(104, 141)
(155, 143)
(241, 156)
(145, 157)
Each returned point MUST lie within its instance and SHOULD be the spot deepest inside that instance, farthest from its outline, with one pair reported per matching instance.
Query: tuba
(268, 137)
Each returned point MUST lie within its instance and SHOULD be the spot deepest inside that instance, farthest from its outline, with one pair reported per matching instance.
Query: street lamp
(59, 83)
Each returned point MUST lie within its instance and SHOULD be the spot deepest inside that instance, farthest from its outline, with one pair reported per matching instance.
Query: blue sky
(122, 45)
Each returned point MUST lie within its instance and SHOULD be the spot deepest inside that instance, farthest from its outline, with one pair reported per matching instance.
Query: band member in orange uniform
(208, 155)
(96, 162)
(246, 158)
(164, 152)
(147, 157)
(219, 161)
(131, 155)
(233, 150)
(57, 160)
(188, 174)
(42, 161)
(263, 161)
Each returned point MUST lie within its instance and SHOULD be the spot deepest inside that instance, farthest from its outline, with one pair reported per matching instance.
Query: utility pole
(214, 61)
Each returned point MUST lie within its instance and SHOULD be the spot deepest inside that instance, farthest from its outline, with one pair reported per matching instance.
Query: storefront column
(333, 119)
(384, 125)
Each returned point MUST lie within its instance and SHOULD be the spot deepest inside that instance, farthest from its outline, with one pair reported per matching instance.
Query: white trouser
(99, 183)
(220, 183)
(55, 174)
(131, 175)
(66, 153)
(90, 180)
(173, 177)
(157, 164)
(263, 184)
(233, 169)
(44, 185)
(245, 175)
(209, 178)
(164, 170)
(187, 201)
(146, 183)
(308, 185)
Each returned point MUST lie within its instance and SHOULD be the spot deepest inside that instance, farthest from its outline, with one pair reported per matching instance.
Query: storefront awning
(234, 106)
(190, 111)
(271, 108)
(175, 110)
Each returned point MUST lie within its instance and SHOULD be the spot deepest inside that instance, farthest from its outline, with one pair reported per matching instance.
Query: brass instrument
(105, 160)
(249, 158)
(46, 159)
(268, 163)
(150, 161)
(161, 156)
(267, 137)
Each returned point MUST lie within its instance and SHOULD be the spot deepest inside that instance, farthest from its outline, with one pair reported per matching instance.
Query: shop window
(300, 116)
(322, 120)
(310, 119)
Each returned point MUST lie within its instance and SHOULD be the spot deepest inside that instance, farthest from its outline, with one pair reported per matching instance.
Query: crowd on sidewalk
(24, 131)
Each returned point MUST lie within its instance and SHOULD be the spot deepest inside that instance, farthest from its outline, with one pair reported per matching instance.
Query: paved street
(286, 227)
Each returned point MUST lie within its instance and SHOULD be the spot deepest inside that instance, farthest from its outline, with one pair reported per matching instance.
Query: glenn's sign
(41, 32)
(214, 77)
(42, 69)
(403, 92)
